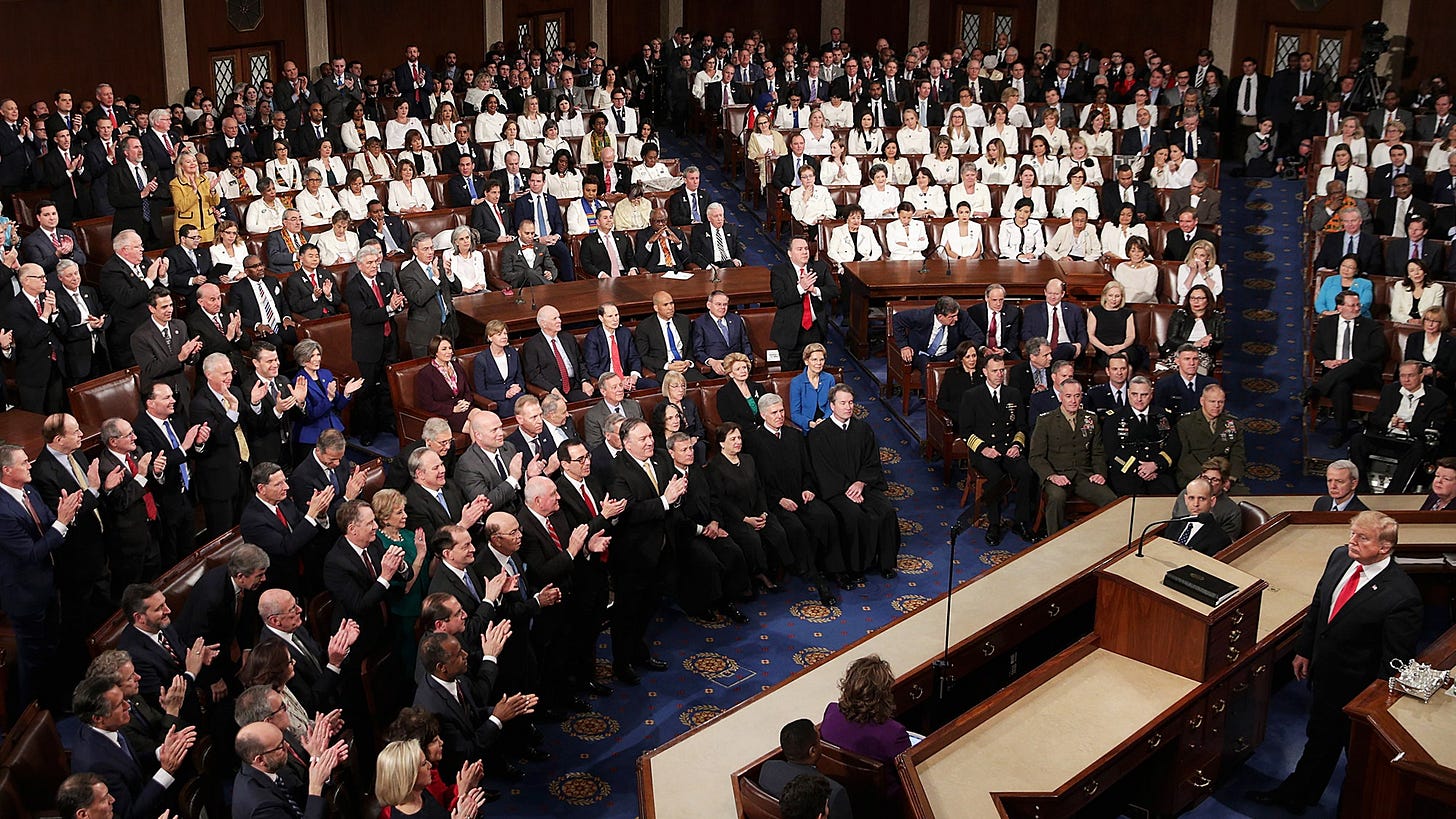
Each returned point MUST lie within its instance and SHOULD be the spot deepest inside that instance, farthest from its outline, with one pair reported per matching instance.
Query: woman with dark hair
(1348, 277)
(271, 664)
(739, 492)
(1120, 227)
(421, 727)
(1415, 294)
(965, 374)
(861, 720)
(563, 180)
(674, 394)
(441, 388)
(1199, 323)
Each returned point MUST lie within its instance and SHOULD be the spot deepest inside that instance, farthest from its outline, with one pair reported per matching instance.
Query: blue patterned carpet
(713, 668)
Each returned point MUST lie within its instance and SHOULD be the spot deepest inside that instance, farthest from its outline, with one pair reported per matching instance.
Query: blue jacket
(319, 413)
(804, 400)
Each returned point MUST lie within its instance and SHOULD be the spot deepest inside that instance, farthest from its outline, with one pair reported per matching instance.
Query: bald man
(552, 359)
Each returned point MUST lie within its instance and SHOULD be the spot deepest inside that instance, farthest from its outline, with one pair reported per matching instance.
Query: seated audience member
(905, 237)
(1225, 509)
(716, 245)
(800, 742)
(810, 203)
(1352, 239)
(1179, 392)
(1066, 453)
(1350, 350)
(852, 241)
(1111, 329)
(805, 797)
(1209, 432)
(1021, 236)
(662, 248)
(932, 333)
(551, 360)
(992, 418)
(525, 262)
(809, 390)
(1199, 267)
(1061, 323)
(964, 373)
(1118, 232)
(718, 333)
(1076, 240)
(1415, 247)
(1406, 425)
(1179, 242)
(1443, 486)
(339, 244)
(1343, 168)
(737, 400)
(442, 388)
(861, 720)
(1202, 534)
(1348, 278)
(1198, 323)
(1434, 348)
(665, 340)
(1342, 480)
(1394, 212)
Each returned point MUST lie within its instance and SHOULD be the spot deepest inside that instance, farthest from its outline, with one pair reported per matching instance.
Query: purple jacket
(884, 741)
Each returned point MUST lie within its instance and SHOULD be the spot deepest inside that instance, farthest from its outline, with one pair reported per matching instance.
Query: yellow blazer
(194, 206)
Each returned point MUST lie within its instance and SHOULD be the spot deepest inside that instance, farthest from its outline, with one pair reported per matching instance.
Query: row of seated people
(1424, 153)
(1377, 181)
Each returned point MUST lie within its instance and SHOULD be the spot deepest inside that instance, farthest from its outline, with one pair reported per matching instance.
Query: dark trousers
(1327, 732)
(44, 398)
(871, 531)
(1065, 351)
(1128, 483)
(1007, 476)
(35, 642)
(373, 409)
(631, 612)
(561, 255)
(811, 535)
(792, 359)
(710, 572)
(586, 609)
(1339, 385)
(1409, 455)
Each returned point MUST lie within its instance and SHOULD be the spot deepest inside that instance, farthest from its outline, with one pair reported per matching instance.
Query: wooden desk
(869, 284)
(692, 774)
(578, 300)
(1402, 754)
(22, 428)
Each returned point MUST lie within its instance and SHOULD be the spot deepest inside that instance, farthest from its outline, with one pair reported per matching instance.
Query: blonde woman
(1110, 329)
(1351, 135)
(958, 131)
(765, 146)
(1199, 267)
(913, 138)
(993, 166)
(402, 775)
(1079, 156)
(442, 130)
(195, 199)
(941, 162)
(1053, 132)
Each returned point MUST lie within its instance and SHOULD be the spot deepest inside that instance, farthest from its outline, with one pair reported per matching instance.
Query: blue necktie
(672, 342)
(175, 444)
(440, 496)
(935, 340)
(469, 585)
(444, 310)
(542, 228)
(125, 746)
(470, 186)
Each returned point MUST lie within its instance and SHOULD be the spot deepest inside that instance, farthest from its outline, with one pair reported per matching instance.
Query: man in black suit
(1352, 239)
(511, 178)
(1144, 139)
(717, 333)
(1366, 612)
(464, 146)
(552, 359)
(542, 209)
(1202, 533)
(522, 606)
(162, 348)
(51, 243)
(271, 438)
(472, 720)
(1142, 443)
(489, 219)
(476, 596)
(311, 291)
(63, 169)
(257, 792)
(716, 244)
(189, 264)
(616, 176)
(83, 334)
(1189, 231)
(465, 188)
(414, 80)
(650, 489)
(992, 416)
(1382, 178)
(359, 573)
(1406, 425)
(1350, 349)
(83, 581)
(925, 106)
(929, 334)
(688, 205)
(1443, 187)
(599, 247)
(159, 431)
(373, 303)
(1128, 189)
(101, 749)
(34, 322)
(314, 131)
(260, 300)
(1416, 245)
(1178, 393)
(126, 282)
(222, 609)
(584, 501)
(432, 500)
(224, 462)
(1342, 479)
(230, 138)
(137, 195)
(219, 328)
(156, 648)
(802, 290)
(786, 168)
(1196, 139)
(994, 324)
(665, 340)
(273, 522)
(316, 670)
(884, 113)
(387, 228)
(130, 510)
(661, 248)
(1401, 201)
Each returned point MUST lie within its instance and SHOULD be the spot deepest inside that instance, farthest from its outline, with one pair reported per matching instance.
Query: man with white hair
(160, 149)
(224, 461)
(1342, 477)
(552, 359)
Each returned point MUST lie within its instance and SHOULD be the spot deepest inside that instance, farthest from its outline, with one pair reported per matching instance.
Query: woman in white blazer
(854, 241)
(905, 237)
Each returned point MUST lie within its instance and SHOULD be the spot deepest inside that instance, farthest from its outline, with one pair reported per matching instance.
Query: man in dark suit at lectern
(1366, 612)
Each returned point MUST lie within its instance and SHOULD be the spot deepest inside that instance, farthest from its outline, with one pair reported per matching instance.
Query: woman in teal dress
(388, 505)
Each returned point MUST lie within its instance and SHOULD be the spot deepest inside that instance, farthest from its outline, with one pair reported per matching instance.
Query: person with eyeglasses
(102, 749)
(264, 752)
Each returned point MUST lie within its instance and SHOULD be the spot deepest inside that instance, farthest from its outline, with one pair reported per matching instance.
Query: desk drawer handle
(1260, 669)
(1201, 782)
(1054, 609)
(1155, 740)
(1235, 635)
(988, 648)
(916, 692)
(1091, 787)
(1233, 654)
(1241, 688)
(1238, 616)
(1219, 706)
(1195, 722)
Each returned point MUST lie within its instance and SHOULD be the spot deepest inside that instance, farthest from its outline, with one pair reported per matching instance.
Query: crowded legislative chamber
(664, 409)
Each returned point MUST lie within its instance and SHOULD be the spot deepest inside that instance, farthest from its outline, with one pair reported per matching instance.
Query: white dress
(1098, 144)
(316, 210)
(1069, 199)
(286, 175)
(530, 128)
(375, 168)
(1001, 174)
(1048, 170)
(488, 126)
(505, 146)
(349, 134)
(962, 144)
(332, 248)
(899, 170)
(220, 255)
(564, 187)
(1037, 197)
(842, 245)
(441, 134)
(841, 116)
(1010, 139)
(866, 143)
(546, 150)
(879, 204)
(1089, 166)
(468, 270)
(570, 126)
(1056, 140)
(335, 164)
(816, 207)
(1212, 279)
(979, 199)
(1114, 238)
(1380, 154)
(357, 204)
(914, 238)
(1171, 177)
(262, 217)
(1359, 150)
(931, 199)
(1139, 285)
(817, 145)
(833, 172)
(968, 245)
(395, 132)
(1016, 241)
(914, 141)
(417, 194)
(946, 171)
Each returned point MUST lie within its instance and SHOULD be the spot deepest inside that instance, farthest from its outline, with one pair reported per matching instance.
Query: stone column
(174, 49)
(316, 26)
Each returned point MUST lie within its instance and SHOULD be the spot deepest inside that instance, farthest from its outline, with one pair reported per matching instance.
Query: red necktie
(369, 564)
(586, 498)
(808, 320)
(111, 115)
(991, 331)
(283, 519)
(616, 354)
(1347, 591)
(24, 496)
(217, 320)
(561, 365)
(1415, 251)
(551, 530)
(378, 296)
(147, 498)
(1056, 325)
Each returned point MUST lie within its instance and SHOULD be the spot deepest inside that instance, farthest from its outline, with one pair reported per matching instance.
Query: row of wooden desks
(22, 428)
(578, 300)
(864, 285)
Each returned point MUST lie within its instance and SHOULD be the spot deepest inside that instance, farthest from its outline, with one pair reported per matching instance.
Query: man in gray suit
(525, 263)
(1389, 111)
(163, 350)
(492, 467)
(431, 291)
(614, 402)
(1206, 209)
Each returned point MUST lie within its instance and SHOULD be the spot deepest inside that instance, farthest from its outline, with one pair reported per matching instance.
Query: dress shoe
(366, 440)
(651, 664)
(827, 595)
(577, 705)
(600, 689)
(1309, 396)
(889, 574)
(1025, 533)
(845, 581)
(859, 580)
(993, 534)
(627, 676)
(508, 772)
(732, 613)
(536, 755)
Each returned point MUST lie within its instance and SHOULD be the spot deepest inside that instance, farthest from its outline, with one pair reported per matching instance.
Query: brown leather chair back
(114, 395)
(1251, 517)
(36, 759)
(991, 235)
(429, 222)
(758, 322)
(753, 801)
(94, 237)
(373, 478)
(866, 779)
(336, 337)
(1161, 315)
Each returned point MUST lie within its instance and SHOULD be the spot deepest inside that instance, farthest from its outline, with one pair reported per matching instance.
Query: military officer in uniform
(993, 417)
(1142, 444)
(1208, 432)
(1066, 452)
